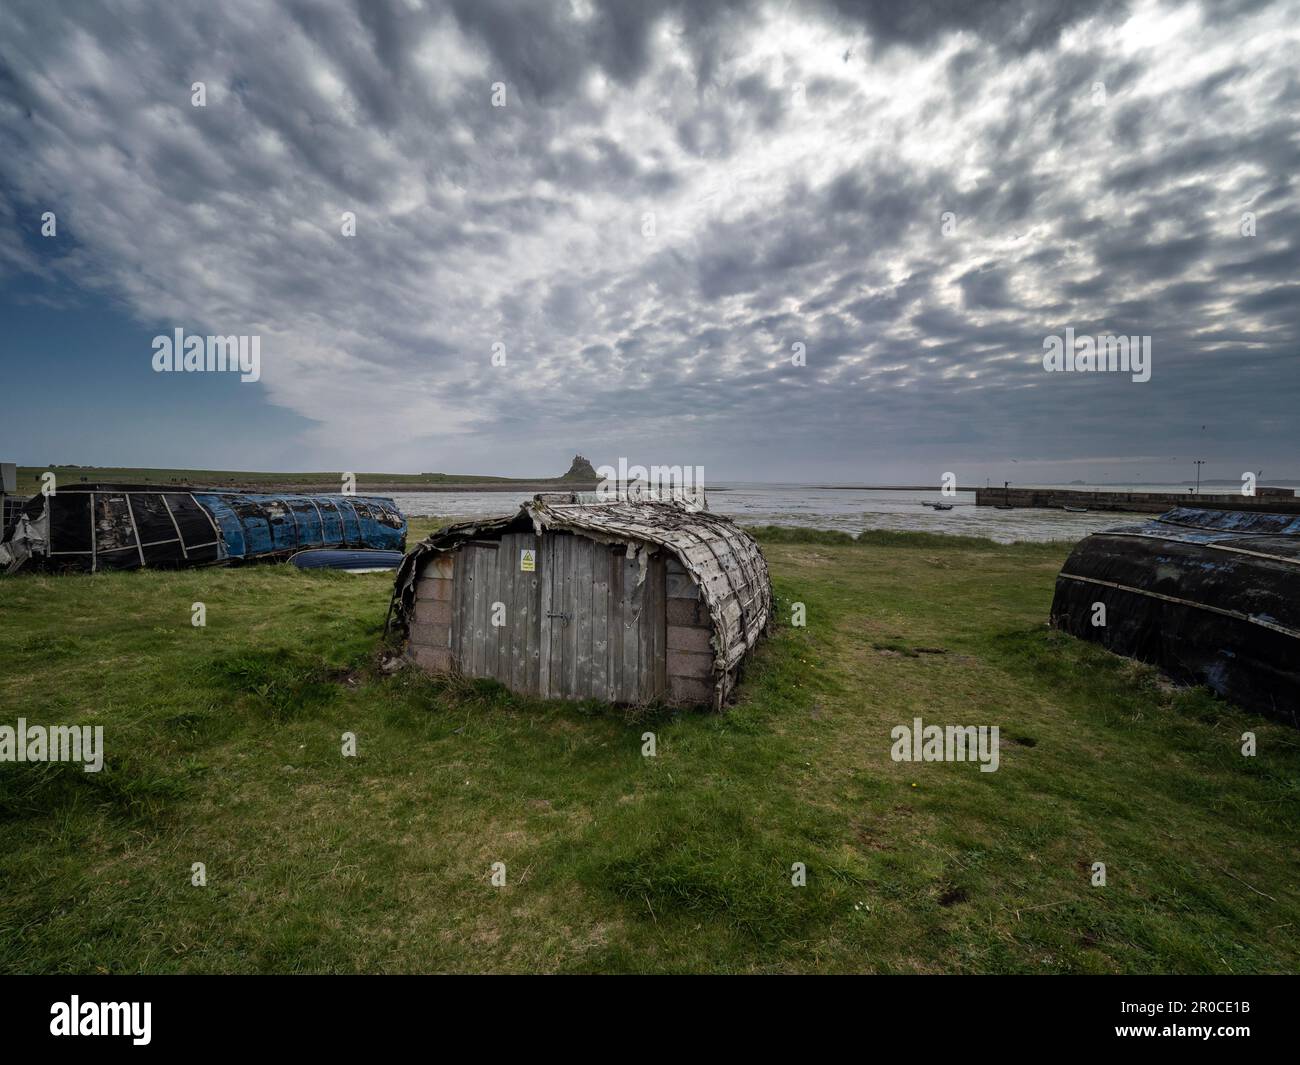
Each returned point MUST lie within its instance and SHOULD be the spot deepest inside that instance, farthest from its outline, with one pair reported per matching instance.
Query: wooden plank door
(520, 591)
(496, 617)
(601, 629)
(472, 631)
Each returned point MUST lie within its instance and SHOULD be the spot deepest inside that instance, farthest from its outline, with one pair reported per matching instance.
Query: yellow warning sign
(527, 561)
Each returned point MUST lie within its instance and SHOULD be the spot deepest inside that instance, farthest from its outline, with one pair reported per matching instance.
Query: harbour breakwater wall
(1277, 500)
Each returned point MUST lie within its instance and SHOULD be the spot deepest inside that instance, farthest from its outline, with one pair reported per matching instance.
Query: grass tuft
(281, 683)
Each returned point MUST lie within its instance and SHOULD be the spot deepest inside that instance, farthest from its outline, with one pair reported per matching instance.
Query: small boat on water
(943, 506)
(1076, 510)
(1210, 596)
(358, 561)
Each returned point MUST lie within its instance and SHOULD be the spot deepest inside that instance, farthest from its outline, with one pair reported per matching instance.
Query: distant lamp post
(1199, 464)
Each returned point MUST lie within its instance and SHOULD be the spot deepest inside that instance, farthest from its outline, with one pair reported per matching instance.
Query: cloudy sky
(673, 197)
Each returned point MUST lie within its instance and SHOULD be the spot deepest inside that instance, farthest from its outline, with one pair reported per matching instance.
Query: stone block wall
(430, 639)
(690, 654)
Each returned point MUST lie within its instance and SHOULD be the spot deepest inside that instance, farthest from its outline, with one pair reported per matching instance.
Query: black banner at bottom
(335, 1013)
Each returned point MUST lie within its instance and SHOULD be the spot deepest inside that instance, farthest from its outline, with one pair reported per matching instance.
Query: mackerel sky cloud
(673, 195)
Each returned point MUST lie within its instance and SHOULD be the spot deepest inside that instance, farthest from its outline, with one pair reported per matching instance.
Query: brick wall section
(690, 655)
(430, 639)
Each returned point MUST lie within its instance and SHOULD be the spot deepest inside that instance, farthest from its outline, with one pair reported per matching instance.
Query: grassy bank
(224, 748)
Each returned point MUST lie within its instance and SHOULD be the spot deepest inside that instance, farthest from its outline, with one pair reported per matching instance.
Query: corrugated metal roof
(723, 559)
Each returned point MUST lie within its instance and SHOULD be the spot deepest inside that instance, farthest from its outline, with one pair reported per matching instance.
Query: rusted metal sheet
(95, 527)
(1210, 596)
(715, 554)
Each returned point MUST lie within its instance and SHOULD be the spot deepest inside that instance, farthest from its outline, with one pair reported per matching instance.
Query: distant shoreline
(401, 484)
(390, 488)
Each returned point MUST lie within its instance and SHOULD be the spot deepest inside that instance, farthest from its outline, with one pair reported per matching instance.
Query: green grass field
(223, 747)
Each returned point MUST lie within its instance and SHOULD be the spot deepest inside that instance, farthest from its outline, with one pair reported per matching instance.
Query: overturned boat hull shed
(625, 602)
(94, 527)
(1210, 596)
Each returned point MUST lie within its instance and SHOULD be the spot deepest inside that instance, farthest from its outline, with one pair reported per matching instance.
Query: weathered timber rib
(1237, 614)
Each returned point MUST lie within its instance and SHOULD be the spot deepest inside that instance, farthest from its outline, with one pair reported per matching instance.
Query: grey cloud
(523, 224)
(1009, 26)
(985, 288)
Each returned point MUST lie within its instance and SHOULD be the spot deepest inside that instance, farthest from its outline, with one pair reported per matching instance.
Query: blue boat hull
(327, 558)
(110, 527)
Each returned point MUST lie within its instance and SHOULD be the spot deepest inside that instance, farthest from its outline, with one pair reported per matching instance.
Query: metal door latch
(563, 617)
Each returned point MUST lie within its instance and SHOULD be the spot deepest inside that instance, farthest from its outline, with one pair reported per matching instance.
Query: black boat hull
(1212, 597)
